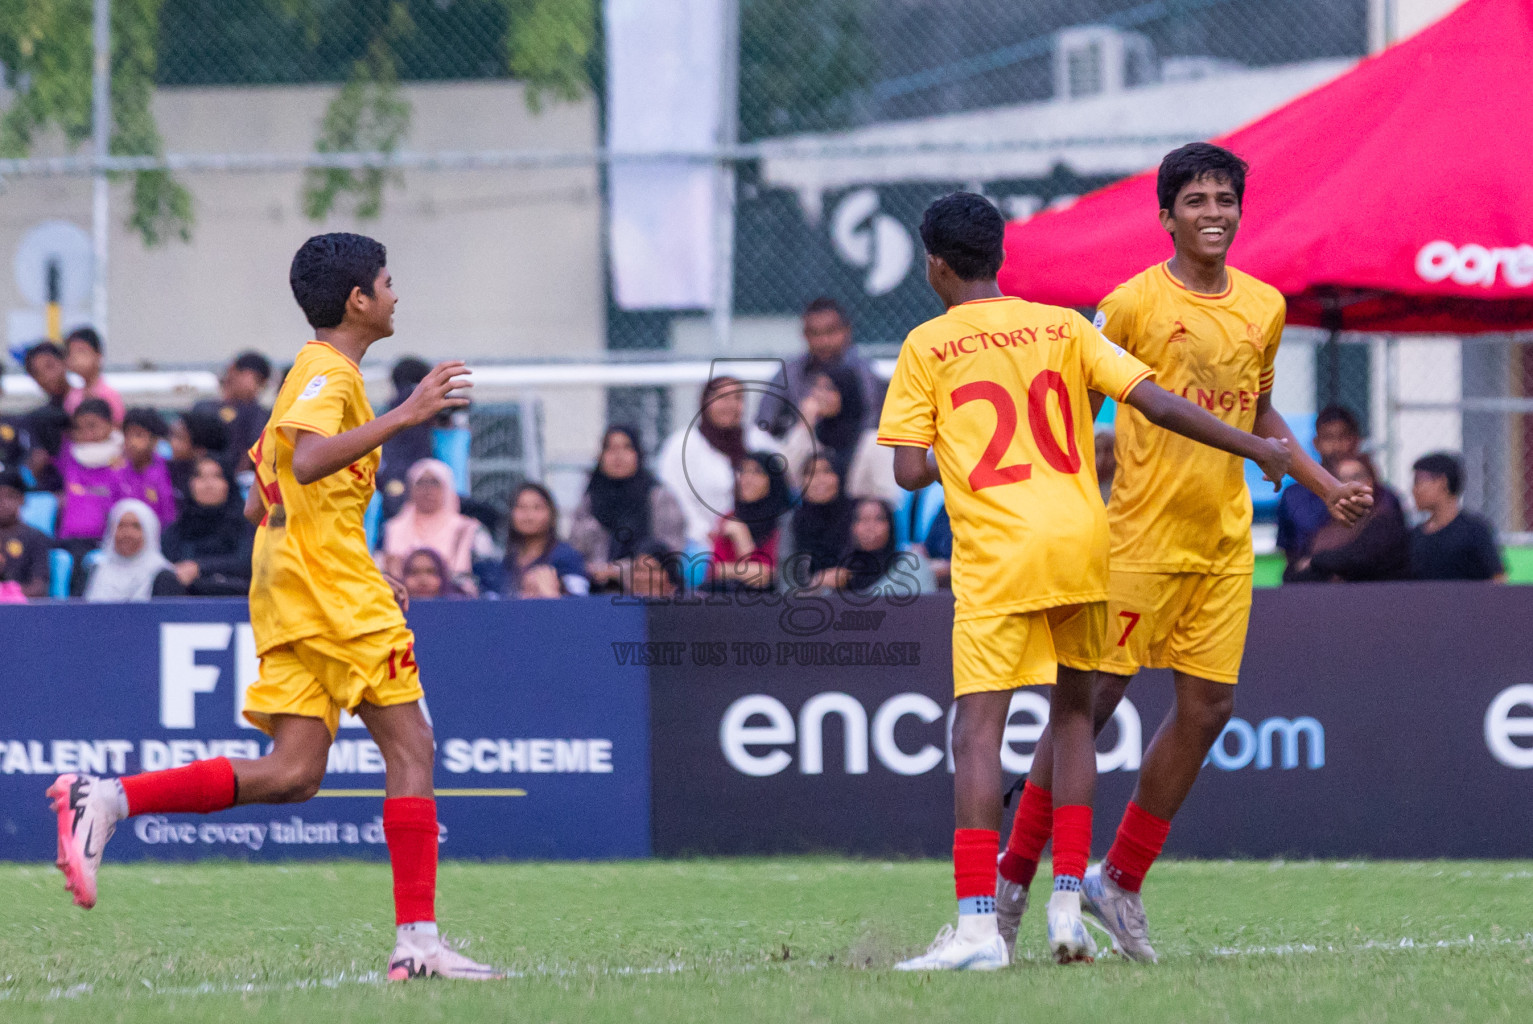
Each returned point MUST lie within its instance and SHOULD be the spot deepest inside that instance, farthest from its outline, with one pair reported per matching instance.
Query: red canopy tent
(1398, 197)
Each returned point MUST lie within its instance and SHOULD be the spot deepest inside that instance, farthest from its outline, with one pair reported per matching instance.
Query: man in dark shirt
(240, 407)
(14, 441)
(828, 338)
(47, 424)
(1300, 514)
(1452, 544)
(23, 550)
(410, 445)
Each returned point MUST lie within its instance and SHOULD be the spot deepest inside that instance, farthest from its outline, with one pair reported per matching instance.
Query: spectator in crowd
(1453, 544)
(625, 514)
(23, 550)
(937, 547)
(82, 354)
(538, 564)
(828, 337)
(745, 542)
(48, 424)
(821, 528)
(833, 409)
(14, 439)
(700, 469)
(143, 473)
(410, 445)
(872, 565)
(1300, 512)
(209, 546)
(240, 406)
(1376, 547)
(88, 465)
(200, 433)
(131, 567)
(1107, 459)
(425, 577)
(432, 518)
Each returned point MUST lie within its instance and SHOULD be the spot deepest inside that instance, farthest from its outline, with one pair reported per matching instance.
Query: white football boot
(88, 811)
(1068, 939)
(1010, 905)
(949, 952)
(1121, 913)
(422, 955)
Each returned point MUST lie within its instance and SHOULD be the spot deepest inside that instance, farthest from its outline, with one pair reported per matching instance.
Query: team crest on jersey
(1100, 320)
(312, 388)
(1254, 336)
(1179, 334)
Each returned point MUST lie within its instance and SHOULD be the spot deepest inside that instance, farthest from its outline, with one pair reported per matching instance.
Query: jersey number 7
(1066, 458)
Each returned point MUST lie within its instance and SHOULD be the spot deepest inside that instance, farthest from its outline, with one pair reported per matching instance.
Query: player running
(1179, 592)
(328, 626)
(997, 388)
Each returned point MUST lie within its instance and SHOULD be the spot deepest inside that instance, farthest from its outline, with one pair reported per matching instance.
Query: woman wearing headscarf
(745, 541)
(131, 567)
(209, 544)
(432, 518)
(872, 564)
(625, 513)
(698, 461)
(425, 577)
(821, 528)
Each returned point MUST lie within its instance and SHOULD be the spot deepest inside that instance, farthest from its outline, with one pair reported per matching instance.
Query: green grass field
(792, 939)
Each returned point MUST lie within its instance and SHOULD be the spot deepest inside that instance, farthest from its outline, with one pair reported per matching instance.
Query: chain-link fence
(482, 138)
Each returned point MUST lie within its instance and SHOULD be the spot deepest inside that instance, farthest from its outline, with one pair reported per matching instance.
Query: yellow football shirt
(313, 575)
(1177, 505)
(998, 387)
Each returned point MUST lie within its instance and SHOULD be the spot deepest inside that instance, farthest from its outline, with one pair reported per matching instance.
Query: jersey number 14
(1066, 458)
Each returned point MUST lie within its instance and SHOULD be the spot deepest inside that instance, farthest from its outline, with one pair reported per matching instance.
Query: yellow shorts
(1003, 652)
(319, 678)
(1192, 622)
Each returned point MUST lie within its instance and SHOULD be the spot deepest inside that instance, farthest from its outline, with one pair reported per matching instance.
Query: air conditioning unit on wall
(1094, 60)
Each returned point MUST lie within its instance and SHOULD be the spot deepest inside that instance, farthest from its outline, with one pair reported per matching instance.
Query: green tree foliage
(801, 63)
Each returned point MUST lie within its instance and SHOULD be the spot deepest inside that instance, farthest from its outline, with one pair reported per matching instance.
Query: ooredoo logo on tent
(1475, 264)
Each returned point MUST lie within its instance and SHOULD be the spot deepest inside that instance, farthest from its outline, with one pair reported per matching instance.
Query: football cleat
(1121, 913)
(949, 952)
(1068, 939)
(1010, 905)
(87, 814)
(419, 955)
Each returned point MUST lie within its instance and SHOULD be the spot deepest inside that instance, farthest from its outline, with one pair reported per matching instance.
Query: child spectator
(131, 567)
(144, 474)
(198, 433)
(210, 545)
(240, 408)
(1375, 548)
(23, 550)
(432, 518)
(88, 465)
(745, 541)
(425, 577)
(821, 529)
(48, 424)
(1453, 544)
(538, 564)
(625, 513)
(82, 354)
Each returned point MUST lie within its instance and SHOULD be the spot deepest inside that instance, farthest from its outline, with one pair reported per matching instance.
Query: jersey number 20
(990, 472)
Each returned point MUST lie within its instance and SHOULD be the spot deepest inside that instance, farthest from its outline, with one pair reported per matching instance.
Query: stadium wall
(1388, 720)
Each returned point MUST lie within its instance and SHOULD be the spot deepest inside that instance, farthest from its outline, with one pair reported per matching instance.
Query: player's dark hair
(254, 362)
(325, 270)
(1339, 414)
(1446, 465)
(966, 232)
(548, 499)
(207, 430)
(86, 334)
(824, 304)
(42, 348)
(93, 407)
(1194, 161)
(407, 374)
(12, 479)
(146, 418)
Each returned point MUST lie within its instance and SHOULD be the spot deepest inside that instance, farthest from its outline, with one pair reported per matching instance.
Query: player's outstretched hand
(1274, 464)
(1349, 502)
(442, 389)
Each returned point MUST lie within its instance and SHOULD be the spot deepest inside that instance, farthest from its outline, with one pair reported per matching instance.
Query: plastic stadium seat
(61, 566)
(40, 510)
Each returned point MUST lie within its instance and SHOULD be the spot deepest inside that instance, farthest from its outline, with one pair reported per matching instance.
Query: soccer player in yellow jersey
(997, 391)
(328, 625)
(1179, 593)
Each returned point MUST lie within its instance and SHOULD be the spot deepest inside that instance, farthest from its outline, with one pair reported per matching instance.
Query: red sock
(409, 827)
(1030, 831)
(1136, 846)
(1072, 840)
(974, 851)
(199, 788)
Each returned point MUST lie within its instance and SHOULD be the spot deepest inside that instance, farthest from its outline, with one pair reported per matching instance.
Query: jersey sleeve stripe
(1131, 385)
(900, 441)
(288, 423)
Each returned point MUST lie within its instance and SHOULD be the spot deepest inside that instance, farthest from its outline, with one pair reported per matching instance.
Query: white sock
(115, 793)
(977, 927)
(418, 928)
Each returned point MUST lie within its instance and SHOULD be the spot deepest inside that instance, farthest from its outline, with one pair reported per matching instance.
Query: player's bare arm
(1348, 502)
(1171, 412)
(255, 507)
(316, 457)
(915, 468)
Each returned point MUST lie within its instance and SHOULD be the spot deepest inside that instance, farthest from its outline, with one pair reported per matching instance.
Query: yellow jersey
(1177, 505)
(313, 575)
(998, 387)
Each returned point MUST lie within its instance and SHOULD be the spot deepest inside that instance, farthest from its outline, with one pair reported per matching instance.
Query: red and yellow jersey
(999, 388)
(313, 575)
(1177, 505)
